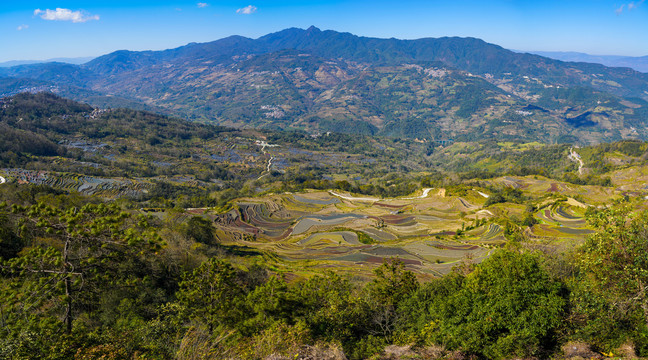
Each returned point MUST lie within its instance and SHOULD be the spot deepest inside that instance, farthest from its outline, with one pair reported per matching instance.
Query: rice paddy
(87, 185)
(430, 230)
(431, 234)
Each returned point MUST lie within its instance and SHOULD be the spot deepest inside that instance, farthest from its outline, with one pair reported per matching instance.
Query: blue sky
(35, 30)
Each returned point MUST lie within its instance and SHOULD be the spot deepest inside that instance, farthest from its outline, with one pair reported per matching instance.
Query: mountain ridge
(74, 60)
(316, 80)
(638, 63)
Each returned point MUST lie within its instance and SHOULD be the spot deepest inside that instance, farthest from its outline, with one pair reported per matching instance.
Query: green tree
(270, 302)
(201, 230)
(212, 295)
(508, 306)
(328, 305)
(78, 254)
(611, 292)
(393, 284)
(10, 243)
(419, 314)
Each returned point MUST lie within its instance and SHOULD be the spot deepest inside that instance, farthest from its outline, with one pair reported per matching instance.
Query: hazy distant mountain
(638, 63)
(77, 61)
(460, 88)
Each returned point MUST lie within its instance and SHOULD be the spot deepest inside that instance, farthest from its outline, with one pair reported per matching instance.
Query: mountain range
(75, 60)
(429, 89)
(639, 63)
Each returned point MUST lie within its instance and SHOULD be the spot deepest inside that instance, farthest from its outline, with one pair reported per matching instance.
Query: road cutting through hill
(573, 156)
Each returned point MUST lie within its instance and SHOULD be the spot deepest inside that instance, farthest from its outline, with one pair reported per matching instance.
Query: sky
(38, 30)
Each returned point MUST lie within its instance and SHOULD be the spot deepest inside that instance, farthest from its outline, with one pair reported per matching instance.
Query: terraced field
(335, 230)
(487, 234)
(539, 186)
(429, 230)
(562, 222)
(632, 180)
(88, 185)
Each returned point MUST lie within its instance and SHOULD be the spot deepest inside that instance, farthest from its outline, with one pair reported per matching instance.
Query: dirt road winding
(573, 156)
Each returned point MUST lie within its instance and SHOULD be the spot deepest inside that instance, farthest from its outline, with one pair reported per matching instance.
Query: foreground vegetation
(86, 279)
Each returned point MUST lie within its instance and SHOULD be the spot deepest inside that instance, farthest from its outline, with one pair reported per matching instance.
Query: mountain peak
(312, 29)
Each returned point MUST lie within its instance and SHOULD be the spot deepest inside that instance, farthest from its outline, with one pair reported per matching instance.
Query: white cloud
(250, 9)
(631, 6)
(202, 5)
(634, 5)
(22, 27)
(65, 15)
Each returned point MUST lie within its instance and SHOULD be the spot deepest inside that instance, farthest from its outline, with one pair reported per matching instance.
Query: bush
(508, 307)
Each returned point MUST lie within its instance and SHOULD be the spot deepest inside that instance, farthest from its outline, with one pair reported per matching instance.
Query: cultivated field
(431, 232)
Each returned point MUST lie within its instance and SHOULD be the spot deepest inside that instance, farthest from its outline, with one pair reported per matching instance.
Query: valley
(315, 194)
(331, 201)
